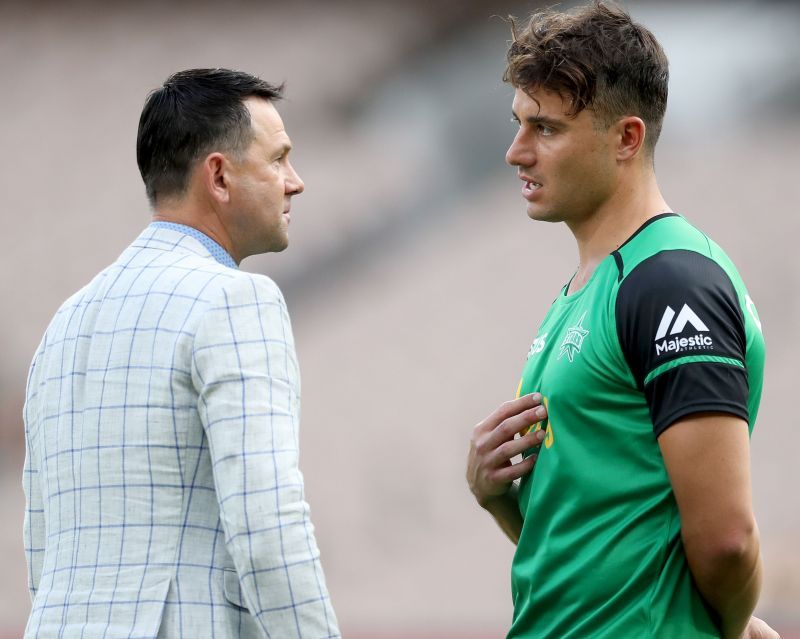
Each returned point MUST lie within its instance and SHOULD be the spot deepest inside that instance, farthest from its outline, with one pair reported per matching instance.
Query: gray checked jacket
(161, 476)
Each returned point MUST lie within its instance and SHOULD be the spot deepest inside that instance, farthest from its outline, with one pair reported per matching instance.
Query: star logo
(573, 340)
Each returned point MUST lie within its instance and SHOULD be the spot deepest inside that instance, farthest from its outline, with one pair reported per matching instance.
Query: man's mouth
(531, 186)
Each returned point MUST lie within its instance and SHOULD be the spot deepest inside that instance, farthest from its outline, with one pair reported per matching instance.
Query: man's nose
(294, 185)
(519, 153)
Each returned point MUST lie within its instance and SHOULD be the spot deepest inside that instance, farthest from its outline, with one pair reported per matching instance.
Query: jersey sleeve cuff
(731, 408)
(695, 388)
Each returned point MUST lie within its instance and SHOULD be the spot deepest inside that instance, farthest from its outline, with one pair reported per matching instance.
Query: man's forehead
(265, 118)
(540, 102)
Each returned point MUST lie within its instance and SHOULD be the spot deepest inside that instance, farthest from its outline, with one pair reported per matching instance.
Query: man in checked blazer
(163, 492)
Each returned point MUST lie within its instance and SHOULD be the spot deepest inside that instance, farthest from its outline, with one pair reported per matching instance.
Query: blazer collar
(168, 236)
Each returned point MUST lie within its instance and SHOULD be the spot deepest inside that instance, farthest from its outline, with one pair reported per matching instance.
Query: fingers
(495, 443)
(506, 451)
(498, 469)
(509, 409)
(507, 429)
(515, 471)
(760, 629)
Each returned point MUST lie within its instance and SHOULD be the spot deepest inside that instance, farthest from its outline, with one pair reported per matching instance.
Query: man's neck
(190, 214)
(612, 224)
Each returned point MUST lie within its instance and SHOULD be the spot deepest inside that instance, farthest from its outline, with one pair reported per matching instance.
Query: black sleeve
(682, 333)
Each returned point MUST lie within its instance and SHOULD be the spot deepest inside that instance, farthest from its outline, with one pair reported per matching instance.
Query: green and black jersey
(663, 328)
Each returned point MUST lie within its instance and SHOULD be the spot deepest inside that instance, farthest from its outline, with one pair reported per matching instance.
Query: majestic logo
(698, 341)
(538, 345)
(573, 340)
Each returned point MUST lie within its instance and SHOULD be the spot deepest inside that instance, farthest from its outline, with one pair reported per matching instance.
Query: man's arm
(245, 372)
(490, 472)
(700, 405)
(707, 457)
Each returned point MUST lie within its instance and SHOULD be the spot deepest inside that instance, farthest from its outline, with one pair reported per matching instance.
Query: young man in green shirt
(633, 513)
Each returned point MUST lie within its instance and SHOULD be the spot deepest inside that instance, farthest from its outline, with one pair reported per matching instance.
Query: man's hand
(758, 629)
(494, 443)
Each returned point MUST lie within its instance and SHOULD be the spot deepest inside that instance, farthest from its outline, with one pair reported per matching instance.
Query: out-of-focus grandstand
(414, 278)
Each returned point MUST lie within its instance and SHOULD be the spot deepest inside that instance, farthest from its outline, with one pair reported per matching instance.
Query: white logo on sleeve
(687, 316)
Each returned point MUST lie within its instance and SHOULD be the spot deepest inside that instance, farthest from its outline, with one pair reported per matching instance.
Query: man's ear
(630, 141)
(216, 176)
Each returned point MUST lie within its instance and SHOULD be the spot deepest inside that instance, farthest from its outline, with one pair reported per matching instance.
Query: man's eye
(515, 121)
(545, 130)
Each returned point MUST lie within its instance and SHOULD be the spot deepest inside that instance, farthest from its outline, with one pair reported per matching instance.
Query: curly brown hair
(596, 58)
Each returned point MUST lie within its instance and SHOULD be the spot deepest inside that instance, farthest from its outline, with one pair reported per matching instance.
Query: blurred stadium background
(414, 278)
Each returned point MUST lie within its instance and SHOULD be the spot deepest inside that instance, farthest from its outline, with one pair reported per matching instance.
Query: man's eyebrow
(539, 119)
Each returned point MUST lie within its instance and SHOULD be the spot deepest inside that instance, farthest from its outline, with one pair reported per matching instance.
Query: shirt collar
(217, 252)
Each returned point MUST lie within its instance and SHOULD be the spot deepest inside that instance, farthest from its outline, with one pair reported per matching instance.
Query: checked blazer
(163, 494)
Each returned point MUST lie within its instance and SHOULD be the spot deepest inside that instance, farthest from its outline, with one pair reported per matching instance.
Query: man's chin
(281, 244)
(274, 245)
(277, 247)
(542, 215)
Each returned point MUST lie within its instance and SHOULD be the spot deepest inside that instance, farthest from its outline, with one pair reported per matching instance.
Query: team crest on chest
(573, 340)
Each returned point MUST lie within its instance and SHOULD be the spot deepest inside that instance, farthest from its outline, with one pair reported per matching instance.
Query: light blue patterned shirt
(217, 252)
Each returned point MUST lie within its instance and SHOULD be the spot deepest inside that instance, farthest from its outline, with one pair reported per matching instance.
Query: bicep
(707, 458)
(244, 373)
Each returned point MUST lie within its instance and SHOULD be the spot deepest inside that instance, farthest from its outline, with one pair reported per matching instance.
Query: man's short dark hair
(194, 113)
(597, 58)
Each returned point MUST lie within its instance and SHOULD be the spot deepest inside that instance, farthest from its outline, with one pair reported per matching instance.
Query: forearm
(271, 540)
(505, 510)
(729, 578)
(282, 578)
(707, 457)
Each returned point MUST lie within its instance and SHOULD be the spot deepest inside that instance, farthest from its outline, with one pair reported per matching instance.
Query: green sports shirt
(663, 328)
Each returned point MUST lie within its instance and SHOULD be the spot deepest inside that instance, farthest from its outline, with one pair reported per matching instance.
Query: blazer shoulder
(243, 284)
